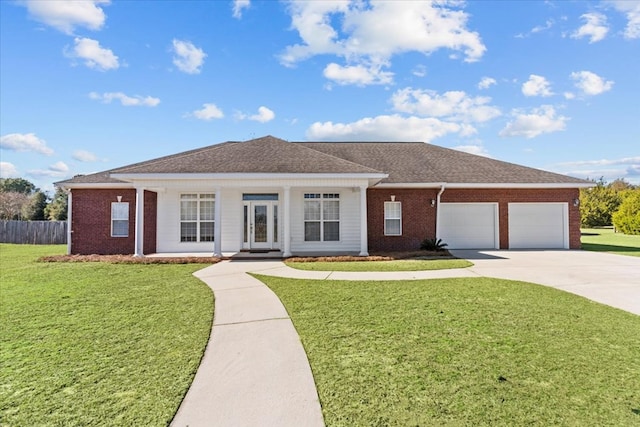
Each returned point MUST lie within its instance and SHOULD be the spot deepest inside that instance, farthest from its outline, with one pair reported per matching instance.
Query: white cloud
(238, 6)
(25, 142)
(264, 115)
(633, 161)
(549, 23)
(207, 112)
(56, 170)
(452, 105)
(538, 121)
(595, 27)
(419, 71)
(486, 82)
(8, 170)
(386, 127)
(84, 156)
(66, 15)
(187, 57)
(478, 150)
(371, 33)
(536, 86)
(126, 100)
(94, 55)
(569, 95)
(631, 9)
(590, 83)
(359, 75)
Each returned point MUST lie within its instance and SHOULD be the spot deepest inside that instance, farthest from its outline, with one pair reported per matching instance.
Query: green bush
(597, 204)
(627, 218)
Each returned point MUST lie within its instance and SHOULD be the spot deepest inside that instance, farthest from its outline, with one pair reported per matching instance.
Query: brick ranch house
(299, 198)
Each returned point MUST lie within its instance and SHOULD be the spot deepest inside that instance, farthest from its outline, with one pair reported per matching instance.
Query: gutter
(442, 188)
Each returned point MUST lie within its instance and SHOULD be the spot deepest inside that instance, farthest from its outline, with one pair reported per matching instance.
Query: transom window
(119, 219)
(321, 217)
(197, 214)
(392, 218)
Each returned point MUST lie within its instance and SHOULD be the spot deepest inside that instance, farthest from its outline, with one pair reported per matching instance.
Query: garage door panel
(538, 225)
(469, 225)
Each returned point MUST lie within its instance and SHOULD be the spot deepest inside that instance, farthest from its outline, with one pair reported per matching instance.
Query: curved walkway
(255, 372)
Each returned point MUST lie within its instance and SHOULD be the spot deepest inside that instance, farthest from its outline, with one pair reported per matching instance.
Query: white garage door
(538, 226)
(469, 225)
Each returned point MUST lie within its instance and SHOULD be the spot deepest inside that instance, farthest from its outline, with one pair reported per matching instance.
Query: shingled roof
(417, 162)
(404, 162)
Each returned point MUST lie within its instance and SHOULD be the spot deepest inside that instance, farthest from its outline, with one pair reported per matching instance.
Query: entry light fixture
(433, 203)
(576, 202)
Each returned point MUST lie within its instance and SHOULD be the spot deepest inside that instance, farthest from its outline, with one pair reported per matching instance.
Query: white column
(364, 245)
(139, 232)
(286, 210)
(217, 225)
(69, 214)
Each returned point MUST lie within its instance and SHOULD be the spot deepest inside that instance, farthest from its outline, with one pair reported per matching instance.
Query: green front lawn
(97, 344)
(605, 240)
(395, 265)
(464, 351)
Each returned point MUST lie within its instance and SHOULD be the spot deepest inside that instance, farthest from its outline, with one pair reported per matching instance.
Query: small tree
(627, 218)
(34, 209)
(597, 204)
(57, 209)
(12, 204)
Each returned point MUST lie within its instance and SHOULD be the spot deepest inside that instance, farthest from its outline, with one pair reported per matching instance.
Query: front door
(260, 225)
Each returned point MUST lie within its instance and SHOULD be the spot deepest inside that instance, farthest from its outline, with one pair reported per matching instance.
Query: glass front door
(260, 225)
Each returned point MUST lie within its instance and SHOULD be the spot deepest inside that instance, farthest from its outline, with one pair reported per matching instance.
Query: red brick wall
(419, 218)
(91, 222)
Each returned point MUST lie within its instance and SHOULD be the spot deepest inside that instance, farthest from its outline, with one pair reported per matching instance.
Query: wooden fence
(33, 232)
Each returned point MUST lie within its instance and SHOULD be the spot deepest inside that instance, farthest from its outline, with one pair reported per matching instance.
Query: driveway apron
(254, 371)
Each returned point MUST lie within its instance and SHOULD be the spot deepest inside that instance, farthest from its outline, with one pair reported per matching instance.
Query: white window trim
(324, 197)
(115, 218)
(199, 198)
(388, 217)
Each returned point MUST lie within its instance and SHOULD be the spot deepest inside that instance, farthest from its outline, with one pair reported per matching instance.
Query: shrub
(436, 245)
(627, 218)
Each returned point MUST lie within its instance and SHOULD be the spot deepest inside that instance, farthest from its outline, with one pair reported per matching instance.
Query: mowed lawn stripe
(97, 343)
(466, 351)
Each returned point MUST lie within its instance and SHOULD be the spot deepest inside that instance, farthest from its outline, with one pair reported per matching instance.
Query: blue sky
(87, 86)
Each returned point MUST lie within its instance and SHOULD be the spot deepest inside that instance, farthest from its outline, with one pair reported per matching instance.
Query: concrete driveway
(606, 278)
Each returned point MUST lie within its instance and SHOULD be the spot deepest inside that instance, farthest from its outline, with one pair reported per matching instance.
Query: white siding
(168, 223)
(349, 222)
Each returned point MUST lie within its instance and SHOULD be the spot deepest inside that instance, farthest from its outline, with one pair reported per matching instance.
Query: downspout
(442, 188)
(69, 214)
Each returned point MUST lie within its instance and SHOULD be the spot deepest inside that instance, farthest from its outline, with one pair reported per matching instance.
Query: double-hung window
(197, 217)
(392, 218)
(120, 219)
(321, 217)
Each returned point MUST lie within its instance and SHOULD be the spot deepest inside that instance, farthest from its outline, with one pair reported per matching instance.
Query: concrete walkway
(255, 372)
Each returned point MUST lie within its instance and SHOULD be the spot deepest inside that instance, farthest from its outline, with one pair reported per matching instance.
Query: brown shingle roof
(417, 162)
(404, 162)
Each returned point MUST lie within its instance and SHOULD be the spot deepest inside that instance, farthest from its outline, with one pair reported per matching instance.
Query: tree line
(611, 204)
(20, 199)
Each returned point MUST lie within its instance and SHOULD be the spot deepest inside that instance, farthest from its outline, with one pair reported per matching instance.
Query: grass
(97, 344)
(395, 265)
(605, 240)
(477, 351)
